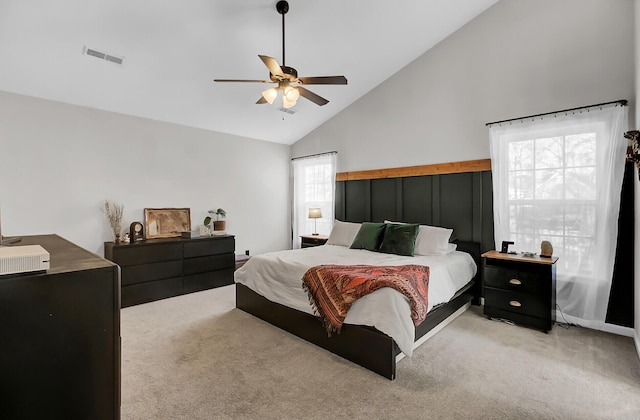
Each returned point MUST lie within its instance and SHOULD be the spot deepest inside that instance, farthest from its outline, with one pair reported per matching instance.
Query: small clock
(136, 232)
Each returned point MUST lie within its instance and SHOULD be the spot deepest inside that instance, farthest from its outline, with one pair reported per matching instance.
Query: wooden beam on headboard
(434, 169)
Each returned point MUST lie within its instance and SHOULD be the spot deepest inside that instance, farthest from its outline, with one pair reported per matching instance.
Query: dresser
(60, 329)
(520, 289)
(307, 241)
(160, 268)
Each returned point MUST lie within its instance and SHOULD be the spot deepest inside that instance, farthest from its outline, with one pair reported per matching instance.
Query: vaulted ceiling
(173, 50)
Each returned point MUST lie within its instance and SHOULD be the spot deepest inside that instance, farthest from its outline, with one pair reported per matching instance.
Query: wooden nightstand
(520, 289)
(312, 240)
(241, 259)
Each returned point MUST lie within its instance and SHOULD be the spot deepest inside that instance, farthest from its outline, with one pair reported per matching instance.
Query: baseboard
(636, 338)
(435, 329)
(595, 325)
(617, 329)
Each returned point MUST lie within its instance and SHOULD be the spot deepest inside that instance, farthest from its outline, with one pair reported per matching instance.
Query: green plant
(219, 213)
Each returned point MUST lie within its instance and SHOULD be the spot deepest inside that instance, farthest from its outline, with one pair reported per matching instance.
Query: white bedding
(278, 277)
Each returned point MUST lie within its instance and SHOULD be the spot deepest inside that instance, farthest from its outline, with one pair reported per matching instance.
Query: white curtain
(559, 178)
(314, 180)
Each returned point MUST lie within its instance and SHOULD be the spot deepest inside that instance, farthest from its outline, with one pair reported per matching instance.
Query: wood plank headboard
(456, 195)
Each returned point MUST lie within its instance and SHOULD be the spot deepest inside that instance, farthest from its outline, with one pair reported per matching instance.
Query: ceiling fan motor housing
(290, 73)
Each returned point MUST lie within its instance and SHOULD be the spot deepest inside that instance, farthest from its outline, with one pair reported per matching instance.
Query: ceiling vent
(103, 56)
(287, 110)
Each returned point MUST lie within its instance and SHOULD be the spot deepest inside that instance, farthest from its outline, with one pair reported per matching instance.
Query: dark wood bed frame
(457, 195)
(363, 345)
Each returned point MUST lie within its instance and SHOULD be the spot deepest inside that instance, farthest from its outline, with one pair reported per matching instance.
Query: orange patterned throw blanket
(333, 288)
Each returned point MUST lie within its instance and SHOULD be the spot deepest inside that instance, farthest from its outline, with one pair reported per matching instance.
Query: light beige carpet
(197, 357)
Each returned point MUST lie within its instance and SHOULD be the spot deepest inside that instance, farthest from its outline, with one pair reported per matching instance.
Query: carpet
(198, 357)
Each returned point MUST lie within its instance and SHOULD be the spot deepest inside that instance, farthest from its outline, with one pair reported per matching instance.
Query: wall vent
(103, 56)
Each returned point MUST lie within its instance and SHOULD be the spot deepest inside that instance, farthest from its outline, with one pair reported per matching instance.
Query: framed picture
(166, 223)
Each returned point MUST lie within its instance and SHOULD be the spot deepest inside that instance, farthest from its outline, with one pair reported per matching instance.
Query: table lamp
(315, 214)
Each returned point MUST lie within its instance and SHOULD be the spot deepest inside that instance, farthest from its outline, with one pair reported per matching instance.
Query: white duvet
(278, 277)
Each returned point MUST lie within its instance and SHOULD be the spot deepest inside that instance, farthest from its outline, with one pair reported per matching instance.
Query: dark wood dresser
(307, 241)
(520, 289)
(160, 268)
(60, 351)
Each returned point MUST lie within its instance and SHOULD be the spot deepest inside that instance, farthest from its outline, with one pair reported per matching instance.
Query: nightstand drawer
(521, 303)
(531, 281)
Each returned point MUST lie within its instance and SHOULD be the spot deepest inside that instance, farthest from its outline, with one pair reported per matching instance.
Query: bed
(377, 332)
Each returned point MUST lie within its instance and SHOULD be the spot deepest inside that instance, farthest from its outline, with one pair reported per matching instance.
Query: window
(559, 179)
(314, 179)
(552, 195)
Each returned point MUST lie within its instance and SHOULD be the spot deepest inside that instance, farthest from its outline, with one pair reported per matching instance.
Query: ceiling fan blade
(272, 65)
(261, 100)
(324, 80)
(243, 80)
(317, 99)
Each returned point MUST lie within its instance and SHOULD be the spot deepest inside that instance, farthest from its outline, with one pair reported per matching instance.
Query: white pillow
(343, 233)
(432, 240)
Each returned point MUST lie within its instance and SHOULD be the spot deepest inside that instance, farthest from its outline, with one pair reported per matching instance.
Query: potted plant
(217, 224)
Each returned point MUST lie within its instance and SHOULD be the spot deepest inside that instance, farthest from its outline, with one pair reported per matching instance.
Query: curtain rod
(622, 102)
(314, 155)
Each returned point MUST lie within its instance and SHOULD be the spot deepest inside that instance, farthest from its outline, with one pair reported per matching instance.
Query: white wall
(520, 57)
(58, 163)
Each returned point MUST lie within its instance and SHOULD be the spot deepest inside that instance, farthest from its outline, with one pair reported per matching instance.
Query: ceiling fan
(287, 77)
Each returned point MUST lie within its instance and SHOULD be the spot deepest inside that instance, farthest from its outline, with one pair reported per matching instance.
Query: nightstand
(241, 259)
(312, 240)
(520, 289)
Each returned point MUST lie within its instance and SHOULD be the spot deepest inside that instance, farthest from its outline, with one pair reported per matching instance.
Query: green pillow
(369, 236)
(399, 239)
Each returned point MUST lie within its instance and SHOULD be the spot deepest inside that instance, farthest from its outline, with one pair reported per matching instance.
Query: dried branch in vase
(113, 212)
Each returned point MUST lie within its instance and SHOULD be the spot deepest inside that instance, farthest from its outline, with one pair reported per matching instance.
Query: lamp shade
(270, 95)
(290, 97)
(315, 213)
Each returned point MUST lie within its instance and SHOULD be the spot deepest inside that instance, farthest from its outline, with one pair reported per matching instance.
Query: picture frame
(166, 222)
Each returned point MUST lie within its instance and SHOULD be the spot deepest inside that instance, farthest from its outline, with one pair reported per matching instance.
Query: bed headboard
(462, 201)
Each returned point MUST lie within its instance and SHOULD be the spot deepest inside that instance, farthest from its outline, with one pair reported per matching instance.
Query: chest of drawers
(520, 289)
(161, 268)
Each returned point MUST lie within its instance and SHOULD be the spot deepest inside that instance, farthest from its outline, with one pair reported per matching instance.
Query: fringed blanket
(333, 288)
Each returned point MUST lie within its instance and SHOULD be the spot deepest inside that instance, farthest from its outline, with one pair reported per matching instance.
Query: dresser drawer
(134, 254)
(209, 246)
(522, 303)
(150, 291)
(142, 273)
(208, 280)
(214, 262)
(531, 281)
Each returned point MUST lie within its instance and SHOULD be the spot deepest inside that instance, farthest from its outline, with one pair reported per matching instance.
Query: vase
(115, 231)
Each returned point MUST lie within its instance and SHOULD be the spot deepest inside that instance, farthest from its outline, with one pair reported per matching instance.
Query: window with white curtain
(314, 179)
(559, 178)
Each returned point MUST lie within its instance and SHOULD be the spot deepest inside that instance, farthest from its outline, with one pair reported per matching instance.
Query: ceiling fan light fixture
(290, 97)
(284, 75)
(270, 95)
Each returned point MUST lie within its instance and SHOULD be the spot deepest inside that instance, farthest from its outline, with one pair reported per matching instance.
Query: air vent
(287, 110)
(103, 56)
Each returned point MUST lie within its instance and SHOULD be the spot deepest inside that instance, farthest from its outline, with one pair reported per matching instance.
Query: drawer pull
(515, 282)
(515, 303)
